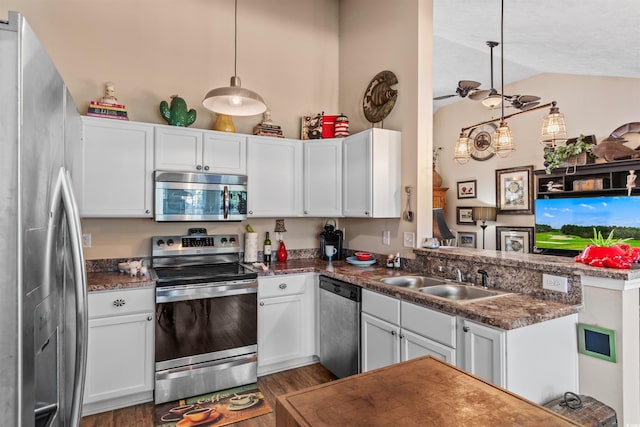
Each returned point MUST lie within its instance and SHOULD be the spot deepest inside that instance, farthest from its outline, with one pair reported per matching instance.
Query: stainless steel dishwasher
(340, 326)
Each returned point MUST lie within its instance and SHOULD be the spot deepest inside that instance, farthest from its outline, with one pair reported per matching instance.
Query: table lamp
(484, 214)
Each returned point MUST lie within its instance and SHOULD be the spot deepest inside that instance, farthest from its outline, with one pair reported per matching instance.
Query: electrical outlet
(555, 283)
(386, 237)
(409, 239)
(86, 240)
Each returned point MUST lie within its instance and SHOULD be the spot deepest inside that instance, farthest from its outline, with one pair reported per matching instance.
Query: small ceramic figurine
(109, 97)
(631, 181)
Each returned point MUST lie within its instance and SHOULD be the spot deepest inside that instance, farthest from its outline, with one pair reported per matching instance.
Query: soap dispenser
(396, 261)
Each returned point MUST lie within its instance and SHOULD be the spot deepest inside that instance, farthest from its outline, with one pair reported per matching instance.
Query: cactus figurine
(176, 114)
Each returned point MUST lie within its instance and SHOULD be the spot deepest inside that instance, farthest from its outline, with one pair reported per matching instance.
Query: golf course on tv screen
(568, 223)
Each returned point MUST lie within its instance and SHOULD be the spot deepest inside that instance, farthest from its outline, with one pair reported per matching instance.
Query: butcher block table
(419, 392)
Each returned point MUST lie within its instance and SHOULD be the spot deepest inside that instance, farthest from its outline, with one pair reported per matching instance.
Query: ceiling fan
(490, 97)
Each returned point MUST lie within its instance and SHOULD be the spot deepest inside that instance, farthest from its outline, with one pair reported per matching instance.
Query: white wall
(591, 105)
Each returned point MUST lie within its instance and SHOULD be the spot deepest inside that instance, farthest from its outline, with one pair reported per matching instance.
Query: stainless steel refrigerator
(43, 314)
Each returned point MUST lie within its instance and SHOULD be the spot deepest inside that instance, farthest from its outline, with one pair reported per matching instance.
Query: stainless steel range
(206, 315)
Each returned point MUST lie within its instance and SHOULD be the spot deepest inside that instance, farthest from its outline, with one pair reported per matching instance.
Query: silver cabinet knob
(206, 168)
(393, 333)
(466, 329)
(261, 303)
(149, 318)
(199, 167)
(401, 336)
(147, 211)
(283, 286)
(119, 302)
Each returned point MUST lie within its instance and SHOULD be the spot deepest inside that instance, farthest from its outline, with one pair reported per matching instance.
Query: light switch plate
(386, 237)
(409, 239)
(86, 240)
(555, 283)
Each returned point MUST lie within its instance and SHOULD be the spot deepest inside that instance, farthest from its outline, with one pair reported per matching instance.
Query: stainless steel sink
(458, 292)
(413, 281)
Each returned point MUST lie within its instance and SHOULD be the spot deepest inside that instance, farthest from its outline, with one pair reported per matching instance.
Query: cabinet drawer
(121, 301)
(429, 323)
(277, 286)
(383, 307)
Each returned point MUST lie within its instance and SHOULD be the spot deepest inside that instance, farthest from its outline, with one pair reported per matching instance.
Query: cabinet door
(274, 177)
(323, 177)
(120, 358)
(414, 345)
(117, 169)
(357, 179)
(178, 148)
(379, 345)
(281, 334)
(224, 153)
(484, 352)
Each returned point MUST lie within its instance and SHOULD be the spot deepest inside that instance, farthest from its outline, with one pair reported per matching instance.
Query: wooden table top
(420, 392)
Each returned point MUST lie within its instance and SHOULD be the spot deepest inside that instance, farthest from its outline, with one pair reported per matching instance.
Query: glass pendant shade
(554, 128)
(462, 152)
(504, 141)
(492, 101)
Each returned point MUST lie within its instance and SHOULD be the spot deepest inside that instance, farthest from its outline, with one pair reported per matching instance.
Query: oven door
(206, 338)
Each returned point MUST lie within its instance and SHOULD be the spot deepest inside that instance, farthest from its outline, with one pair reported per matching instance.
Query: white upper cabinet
(372, 174)
(195, 150)
(274, 177)
(322, 177)
(117, 168)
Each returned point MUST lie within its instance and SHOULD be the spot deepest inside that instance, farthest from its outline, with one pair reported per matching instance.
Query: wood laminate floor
(271, 386)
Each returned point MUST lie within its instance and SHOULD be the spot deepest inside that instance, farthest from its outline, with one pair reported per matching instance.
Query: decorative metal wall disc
(379, 98)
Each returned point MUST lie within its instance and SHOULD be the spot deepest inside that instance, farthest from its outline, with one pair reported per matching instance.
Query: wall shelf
(598, 179)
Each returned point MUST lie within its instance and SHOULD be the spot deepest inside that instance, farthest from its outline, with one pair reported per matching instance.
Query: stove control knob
(232, 239)
(160, 242)
(170, 242)
(223, 240)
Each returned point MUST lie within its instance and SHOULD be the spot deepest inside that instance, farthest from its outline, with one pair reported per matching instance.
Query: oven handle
(226, 202)
(205, 290)
(215, 365)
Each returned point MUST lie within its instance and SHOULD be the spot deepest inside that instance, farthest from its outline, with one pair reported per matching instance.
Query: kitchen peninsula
(419, 392)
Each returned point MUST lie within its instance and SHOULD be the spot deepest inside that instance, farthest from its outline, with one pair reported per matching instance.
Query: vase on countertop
(437, 179)
(282, 252)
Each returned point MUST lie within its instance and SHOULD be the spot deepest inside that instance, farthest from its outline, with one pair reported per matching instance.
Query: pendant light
(462, 152)
(554, 128)
(234, 100)
(504, 141)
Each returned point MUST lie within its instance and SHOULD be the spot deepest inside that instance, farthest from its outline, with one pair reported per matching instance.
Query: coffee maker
(331, 236)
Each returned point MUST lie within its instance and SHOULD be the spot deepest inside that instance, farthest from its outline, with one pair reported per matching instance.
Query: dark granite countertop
(507, 311)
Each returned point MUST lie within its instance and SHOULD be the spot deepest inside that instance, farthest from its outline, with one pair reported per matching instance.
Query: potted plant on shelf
(572, 153)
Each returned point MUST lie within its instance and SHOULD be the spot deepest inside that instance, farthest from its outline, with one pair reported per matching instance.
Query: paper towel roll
(250, 247)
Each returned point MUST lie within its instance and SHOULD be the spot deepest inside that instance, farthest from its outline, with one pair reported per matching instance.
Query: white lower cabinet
(120, 361)
(395, 331)
(538, 362)
(286, 322)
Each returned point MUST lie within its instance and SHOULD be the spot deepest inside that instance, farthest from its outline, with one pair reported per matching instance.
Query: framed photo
(467, 189)
(464, 215)
(514, 190)
(514, 239)
(467, 239)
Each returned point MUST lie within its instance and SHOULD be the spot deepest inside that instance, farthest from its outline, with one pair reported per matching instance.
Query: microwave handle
(226, 202)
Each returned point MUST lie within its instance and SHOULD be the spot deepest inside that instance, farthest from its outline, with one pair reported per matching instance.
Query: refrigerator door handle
(70, 207)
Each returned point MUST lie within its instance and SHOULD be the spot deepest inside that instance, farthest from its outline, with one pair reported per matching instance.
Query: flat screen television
(564, 226)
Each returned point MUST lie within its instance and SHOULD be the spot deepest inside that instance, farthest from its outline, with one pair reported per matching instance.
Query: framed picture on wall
(514, 190)
(467, 189)
(467, 239)
(464, 215)
(514, 239)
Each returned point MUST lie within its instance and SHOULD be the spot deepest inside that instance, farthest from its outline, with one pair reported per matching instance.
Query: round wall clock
(481, 139)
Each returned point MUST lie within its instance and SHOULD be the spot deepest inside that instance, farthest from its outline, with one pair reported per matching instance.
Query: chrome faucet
(458, 275)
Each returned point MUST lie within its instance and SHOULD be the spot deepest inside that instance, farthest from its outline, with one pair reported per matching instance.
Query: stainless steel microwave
(186, 196)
